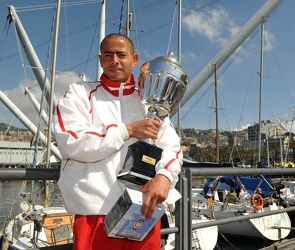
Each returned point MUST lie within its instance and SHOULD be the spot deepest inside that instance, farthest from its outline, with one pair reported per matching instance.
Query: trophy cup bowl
(162, 83)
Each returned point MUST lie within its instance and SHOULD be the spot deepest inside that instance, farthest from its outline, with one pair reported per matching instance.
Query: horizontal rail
(279, 227)
(7, 174)
(240, 171)
(241, 218)
(53, 173)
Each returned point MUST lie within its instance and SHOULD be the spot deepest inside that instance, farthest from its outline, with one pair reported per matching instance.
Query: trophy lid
(168, 64)
(169, 59)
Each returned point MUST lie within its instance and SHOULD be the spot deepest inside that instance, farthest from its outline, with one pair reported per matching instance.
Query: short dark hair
(115, 35)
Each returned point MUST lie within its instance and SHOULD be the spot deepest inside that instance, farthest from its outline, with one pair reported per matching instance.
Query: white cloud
(215, 24)
(269, 39)
(242, 127)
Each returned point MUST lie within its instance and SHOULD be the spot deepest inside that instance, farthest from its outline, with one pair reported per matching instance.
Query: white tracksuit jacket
(89, 127)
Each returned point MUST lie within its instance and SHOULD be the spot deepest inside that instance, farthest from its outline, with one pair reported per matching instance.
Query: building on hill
(17, 154)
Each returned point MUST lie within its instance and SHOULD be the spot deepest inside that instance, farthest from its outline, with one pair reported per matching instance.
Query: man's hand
(147, 128)
(156, 191)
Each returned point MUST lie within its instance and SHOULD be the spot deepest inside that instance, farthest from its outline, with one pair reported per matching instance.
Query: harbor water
(13, 192)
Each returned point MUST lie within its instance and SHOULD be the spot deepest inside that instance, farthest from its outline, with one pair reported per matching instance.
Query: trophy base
(139, 165)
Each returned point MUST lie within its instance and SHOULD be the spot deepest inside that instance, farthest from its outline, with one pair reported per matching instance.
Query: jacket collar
(114, 87)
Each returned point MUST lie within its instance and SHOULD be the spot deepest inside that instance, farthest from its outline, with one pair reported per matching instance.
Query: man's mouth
(115, 69)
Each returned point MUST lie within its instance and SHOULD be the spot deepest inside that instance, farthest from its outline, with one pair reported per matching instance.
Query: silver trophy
(162, 83)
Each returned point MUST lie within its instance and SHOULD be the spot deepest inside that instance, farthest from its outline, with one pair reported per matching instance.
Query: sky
(206, 27)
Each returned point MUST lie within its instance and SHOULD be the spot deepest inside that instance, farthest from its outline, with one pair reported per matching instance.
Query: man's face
(117, 59)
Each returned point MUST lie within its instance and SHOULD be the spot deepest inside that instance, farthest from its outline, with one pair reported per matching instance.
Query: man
(266, 201)
(243, 194)
(231, 197)
(259, 191)
(94, 124)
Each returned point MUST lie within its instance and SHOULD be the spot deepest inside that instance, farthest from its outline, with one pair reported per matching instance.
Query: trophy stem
(149, 141)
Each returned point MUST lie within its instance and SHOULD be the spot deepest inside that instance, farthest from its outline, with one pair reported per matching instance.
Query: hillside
(3, 127)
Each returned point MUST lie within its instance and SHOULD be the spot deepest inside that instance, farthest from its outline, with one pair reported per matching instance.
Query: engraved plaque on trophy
(162, 84)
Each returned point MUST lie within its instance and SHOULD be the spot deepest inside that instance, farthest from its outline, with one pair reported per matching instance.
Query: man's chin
(116, 78)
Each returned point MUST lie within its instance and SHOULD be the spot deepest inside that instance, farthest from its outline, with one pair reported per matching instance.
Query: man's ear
(135, 59)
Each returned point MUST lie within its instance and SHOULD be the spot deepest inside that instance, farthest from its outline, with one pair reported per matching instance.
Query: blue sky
(206, 26)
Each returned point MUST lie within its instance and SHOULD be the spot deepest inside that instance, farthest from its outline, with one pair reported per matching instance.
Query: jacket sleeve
(171, 160)
(76, 135)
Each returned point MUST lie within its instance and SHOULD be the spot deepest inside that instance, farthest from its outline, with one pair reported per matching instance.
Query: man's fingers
(151, 209)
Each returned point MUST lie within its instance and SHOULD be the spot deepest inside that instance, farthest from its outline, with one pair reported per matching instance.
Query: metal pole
(179, 59)
(51, 100)
(216, 115)
(241, 218)
(53, 174)
(260, 90)
(281, 152)
(188, 176)
(127, 19)
(101, 36)
(7, 174)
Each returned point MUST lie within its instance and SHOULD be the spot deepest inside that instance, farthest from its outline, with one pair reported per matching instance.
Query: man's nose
(115, 59)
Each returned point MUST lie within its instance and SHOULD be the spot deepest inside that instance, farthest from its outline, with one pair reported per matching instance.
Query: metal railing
(183, 207)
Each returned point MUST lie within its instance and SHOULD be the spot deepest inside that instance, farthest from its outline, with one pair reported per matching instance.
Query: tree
(292, 145)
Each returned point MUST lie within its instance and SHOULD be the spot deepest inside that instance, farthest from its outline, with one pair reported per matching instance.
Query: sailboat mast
(101, 35)
(51, 103)
(260, 90)
(216, 115)
(127, 19)
(179, 58)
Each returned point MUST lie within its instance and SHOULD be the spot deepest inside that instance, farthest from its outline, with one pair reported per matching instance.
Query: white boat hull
(51, 226)
(261, 227)
(257, 227)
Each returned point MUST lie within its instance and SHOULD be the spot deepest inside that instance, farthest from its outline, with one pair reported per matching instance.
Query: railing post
(181, 215)
(188, 176)
(178, 212)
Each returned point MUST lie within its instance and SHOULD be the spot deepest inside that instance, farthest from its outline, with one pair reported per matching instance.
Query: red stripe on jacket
(172, 160)
(61, 124)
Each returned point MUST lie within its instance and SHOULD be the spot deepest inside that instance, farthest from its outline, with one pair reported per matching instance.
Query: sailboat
(263, 227)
